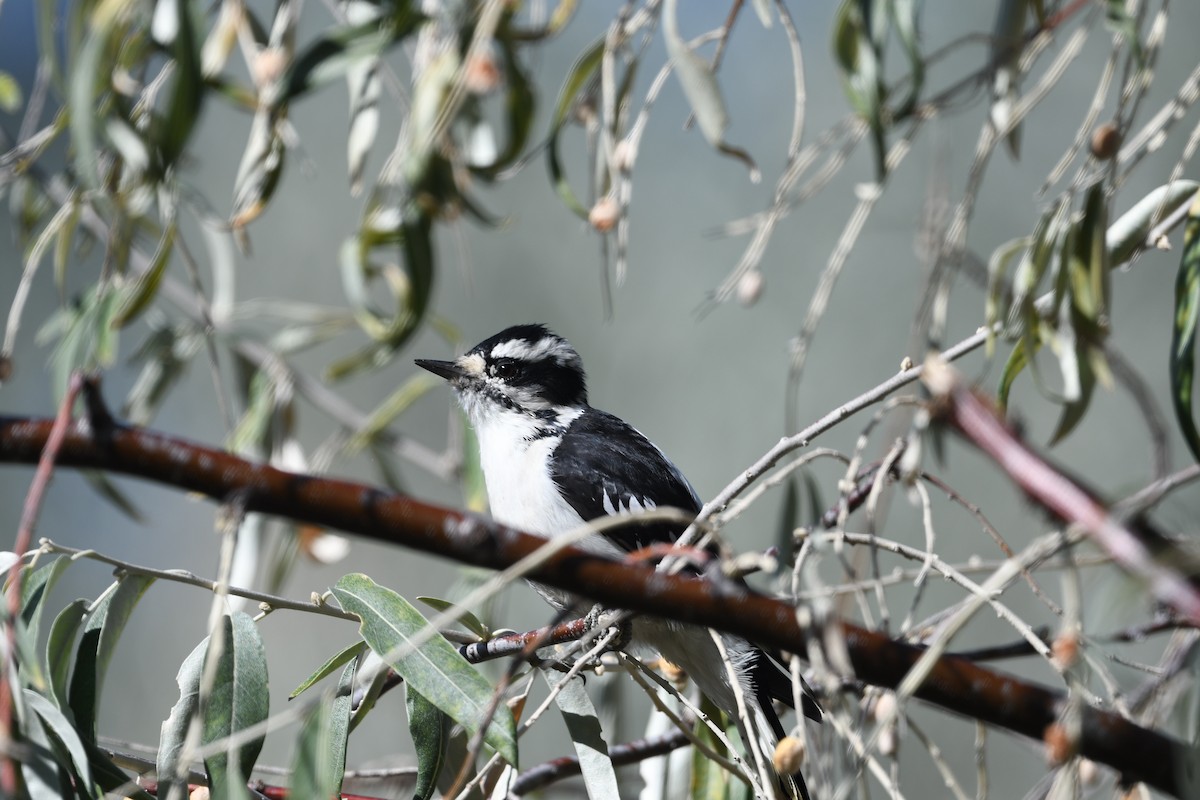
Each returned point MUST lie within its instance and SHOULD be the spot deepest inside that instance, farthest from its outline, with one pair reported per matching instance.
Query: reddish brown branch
(1135, 546)
(955, 684)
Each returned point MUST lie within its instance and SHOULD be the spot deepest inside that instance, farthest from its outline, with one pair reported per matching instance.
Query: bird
(551, 463)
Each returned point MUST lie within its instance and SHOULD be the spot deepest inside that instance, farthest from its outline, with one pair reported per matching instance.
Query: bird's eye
(504, 369)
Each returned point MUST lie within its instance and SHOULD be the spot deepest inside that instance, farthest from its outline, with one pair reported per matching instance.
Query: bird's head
(525, 369)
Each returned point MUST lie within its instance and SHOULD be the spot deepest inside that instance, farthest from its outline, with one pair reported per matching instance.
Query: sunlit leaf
(142, 291)
(430, 730)
(338, 659)
(320, 760)
(60, 648)
(701, 89)
(105, 623)
(1183, 334)
(435, 668)
(461, 615)
(583, 725)
(239, 700)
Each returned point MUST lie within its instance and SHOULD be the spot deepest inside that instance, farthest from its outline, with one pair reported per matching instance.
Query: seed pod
(605, 214)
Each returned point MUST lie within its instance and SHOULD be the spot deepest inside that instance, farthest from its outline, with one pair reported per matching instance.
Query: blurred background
(707, 385)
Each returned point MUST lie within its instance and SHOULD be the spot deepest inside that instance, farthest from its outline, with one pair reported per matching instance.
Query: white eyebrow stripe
(547, 346)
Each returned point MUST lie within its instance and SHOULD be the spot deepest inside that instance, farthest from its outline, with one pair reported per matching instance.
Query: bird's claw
(605, 620)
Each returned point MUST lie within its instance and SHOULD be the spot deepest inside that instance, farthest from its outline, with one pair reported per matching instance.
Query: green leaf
(105, 623)
(42, 764)
(329, 57)
(10, 93)
(1018, 359)
(904, 15)
(239, 700)
(1183, 334)
(581, 74)
(519, 109)
(461, 615)
(343, 656)
(860, 58)
(430, 730)
(789, 519)
(392, 407)
(710, 781)
(583, 724)
(170, 131)
(320, 760)
(435, 668)
(137, 297)
(173, 732)
(701, 89)
(58, 726)
(60, 646)
(36, 585)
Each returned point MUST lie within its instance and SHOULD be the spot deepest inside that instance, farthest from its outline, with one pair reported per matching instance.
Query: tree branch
(954, 683)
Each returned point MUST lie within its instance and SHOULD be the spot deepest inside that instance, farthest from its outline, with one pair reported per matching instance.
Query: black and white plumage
(552, 462)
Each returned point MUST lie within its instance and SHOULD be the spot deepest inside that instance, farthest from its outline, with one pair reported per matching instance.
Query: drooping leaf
(464, 617)
(36, 585)
(173, 732)
(239, 700)
(701, 89)
(583, 725)
(1184, 331)
(105, 623)
(58, 726)
(1008, 36)
(142, 291)
(338, 659)
(320, 760)
(60, 647)
(582, 72)
(435, 668)
(430, 730)
(42, 768)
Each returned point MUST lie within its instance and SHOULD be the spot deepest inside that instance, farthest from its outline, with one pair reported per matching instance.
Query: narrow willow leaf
(595, 765)
(111, 778)
(430, 730)
(998, 265)
(1183, 334)
(581, 74)
(519, 108)
(60, 647)
(399, 401)
(1008, 36)
(435, 669)
(108, 491)
(904, 17)
(1128, 234)
(710, 781)
(320, 760)
(41, 767)
(173, 732)
(1018, 359)
(239, 700)
(364, 86)
(343, 656)
(61, 728)
(36, 586)
(701, 89)
(171, 131)
(105, 623)
(259, 171)
(859, 56)
(462, 615)
(141, 292)
(328, 58)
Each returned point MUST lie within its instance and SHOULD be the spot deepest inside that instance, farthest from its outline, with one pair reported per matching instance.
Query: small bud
(624, 154)
(750, 288)
(789, 756)
(199, 793)
(1064, 651)
(906, 364)
(269, 65)
(1089, 773)
(1060, 746)
(884, 707)
(604, 215)
(1106, 141)
(482, 74)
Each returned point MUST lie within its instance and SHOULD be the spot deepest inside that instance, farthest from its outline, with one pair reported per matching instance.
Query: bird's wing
(603, 466)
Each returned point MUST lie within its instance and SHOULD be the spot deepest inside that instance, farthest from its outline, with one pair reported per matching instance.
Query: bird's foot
(606, 619)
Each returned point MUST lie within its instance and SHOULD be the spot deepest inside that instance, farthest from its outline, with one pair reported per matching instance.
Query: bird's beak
(444, 369)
